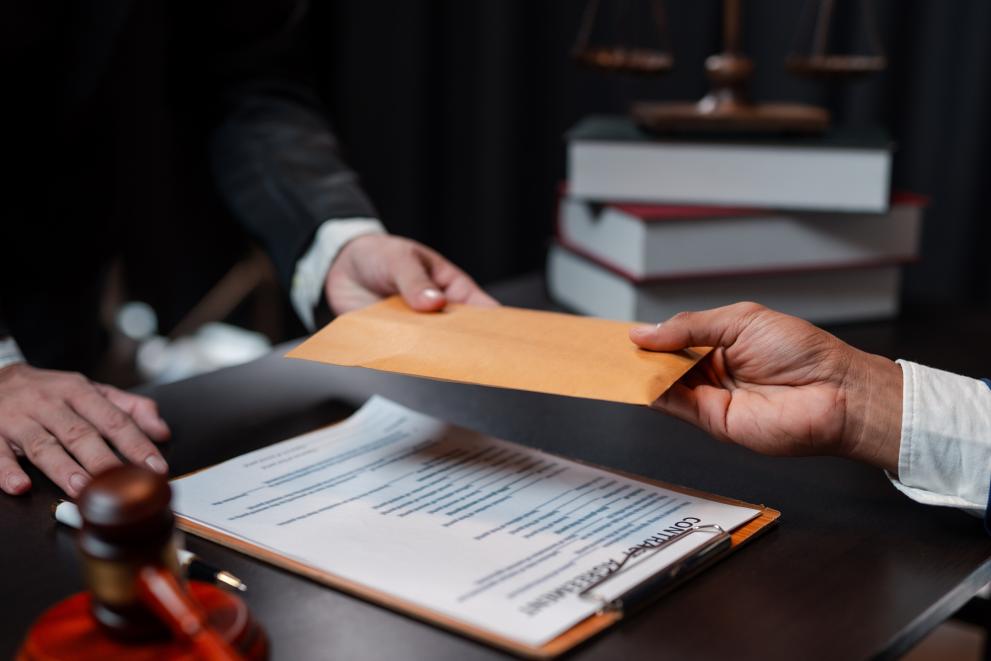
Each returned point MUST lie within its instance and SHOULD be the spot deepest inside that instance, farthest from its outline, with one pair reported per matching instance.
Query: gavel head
(137, 606)
(127, 526)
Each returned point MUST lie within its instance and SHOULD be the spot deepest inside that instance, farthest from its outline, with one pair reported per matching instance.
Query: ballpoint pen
(67, 514)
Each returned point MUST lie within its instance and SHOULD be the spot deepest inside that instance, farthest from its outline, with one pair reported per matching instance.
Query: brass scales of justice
(727, 106)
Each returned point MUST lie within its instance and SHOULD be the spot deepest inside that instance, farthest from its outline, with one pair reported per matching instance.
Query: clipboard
(612, 609)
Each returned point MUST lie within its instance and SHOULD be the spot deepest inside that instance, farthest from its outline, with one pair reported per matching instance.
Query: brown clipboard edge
(576, 635)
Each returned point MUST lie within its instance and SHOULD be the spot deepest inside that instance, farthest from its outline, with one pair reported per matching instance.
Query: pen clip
(644, 552)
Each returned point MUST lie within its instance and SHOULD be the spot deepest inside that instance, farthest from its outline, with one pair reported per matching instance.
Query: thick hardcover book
(609, 158)
(592, 287)
(665, 241)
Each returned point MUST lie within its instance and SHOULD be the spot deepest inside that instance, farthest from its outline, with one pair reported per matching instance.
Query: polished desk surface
(854, 569)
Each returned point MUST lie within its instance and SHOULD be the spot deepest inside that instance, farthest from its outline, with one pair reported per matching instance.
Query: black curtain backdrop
(453, 113)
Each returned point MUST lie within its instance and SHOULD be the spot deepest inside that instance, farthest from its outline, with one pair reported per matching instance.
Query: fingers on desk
(13, 480)
(117, 426)
(143, 410)
(80, 438)
(46, 452)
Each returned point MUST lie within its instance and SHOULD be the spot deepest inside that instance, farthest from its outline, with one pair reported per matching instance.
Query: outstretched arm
(779, 385)
(280, 169)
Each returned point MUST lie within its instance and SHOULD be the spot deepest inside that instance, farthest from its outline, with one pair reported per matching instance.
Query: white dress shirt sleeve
(945, 455)
(311, 269)
(10, 353)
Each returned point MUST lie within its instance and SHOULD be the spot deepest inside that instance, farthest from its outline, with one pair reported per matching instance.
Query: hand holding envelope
(504, 347)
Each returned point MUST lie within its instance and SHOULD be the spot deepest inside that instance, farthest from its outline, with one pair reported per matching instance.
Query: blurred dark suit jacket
(139, 129)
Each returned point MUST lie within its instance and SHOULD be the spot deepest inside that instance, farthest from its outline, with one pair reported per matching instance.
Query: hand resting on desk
(779, 385)
(59, 421)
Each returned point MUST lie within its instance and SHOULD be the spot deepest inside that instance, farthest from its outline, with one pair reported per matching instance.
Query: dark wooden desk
(853, 570)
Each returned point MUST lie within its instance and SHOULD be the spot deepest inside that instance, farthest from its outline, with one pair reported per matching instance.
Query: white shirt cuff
(10, 353)
(311, 269)
(945, 455)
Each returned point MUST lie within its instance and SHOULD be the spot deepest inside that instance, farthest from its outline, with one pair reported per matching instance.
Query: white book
(663, 241)
(609, 158)
(820, 296)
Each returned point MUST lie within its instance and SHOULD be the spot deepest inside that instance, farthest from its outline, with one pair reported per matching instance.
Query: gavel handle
(160, 591)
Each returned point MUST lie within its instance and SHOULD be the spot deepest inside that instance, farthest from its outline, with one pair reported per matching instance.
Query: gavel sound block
(137, 607)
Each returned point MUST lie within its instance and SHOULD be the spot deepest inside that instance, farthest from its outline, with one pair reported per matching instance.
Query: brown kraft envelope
(504, 347)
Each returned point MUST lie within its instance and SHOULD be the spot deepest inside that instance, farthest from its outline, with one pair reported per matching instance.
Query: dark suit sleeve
(276, 162)
(279, 169)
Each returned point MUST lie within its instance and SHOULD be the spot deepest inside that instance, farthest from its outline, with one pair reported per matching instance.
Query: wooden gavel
(137, 605)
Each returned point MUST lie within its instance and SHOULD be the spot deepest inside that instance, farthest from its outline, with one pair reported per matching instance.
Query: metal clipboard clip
(646, 587)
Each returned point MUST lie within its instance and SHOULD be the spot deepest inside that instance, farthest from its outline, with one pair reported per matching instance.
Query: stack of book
(649, 227)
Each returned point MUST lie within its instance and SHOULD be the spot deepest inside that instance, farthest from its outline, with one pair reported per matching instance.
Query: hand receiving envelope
(505, 347)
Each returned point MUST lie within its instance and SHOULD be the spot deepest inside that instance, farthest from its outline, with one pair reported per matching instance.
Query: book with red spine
(669, 242)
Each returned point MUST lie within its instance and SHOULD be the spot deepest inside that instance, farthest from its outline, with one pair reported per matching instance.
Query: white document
(492, 533)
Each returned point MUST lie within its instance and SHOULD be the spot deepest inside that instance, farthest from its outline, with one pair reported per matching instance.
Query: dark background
(454, 112)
